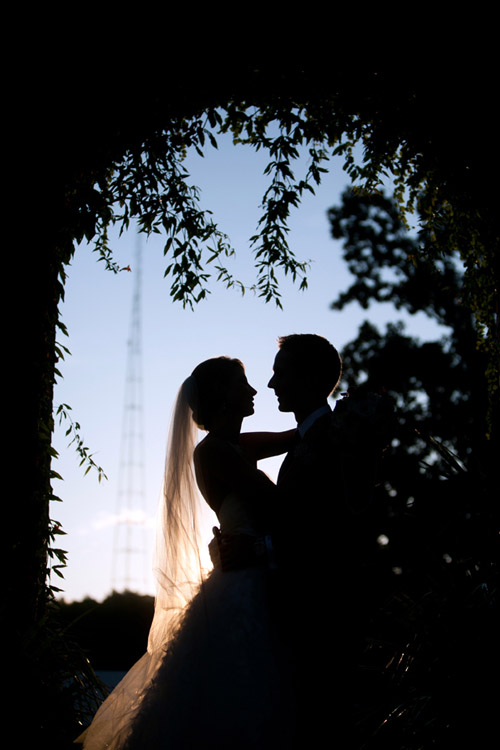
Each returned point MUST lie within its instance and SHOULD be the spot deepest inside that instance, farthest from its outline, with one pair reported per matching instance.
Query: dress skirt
(223, 681)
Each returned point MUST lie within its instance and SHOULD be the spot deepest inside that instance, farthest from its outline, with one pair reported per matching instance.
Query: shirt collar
(310, 420)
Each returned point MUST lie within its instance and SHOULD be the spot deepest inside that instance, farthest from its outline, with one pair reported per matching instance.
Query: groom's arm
(259, 445)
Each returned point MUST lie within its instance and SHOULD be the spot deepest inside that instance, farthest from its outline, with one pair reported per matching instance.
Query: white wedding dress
(223, 680)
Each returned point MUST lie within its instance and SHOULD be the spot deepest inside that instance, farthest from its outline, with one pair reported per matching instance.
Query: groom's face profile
(287, 382)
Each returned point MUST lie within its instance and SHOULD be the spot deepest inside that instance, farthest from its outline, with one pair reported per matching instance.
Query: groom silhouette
(306, 371)
(308, 526)
(321, 535)
(326, 480)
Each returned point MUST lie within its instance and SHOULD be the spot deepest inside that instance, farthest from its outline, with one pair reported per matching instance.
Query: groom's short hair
(314, 355)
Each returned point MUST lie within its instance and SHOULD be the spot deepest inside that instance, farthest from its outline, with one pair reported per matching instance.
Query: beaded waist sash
(237, 551)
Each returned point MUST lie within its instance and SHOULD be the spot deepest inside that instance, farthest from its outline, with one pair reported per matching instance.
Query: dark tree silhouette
(114, 633)
(438, 515)
(439, 386)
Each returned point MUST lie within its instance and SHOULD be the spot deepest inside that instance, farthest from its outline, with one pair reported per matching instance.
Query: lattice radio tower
(129, 548)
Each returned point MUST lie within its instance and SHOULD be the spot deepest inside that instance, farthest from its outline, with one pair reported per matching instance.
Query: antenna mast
(129, 549)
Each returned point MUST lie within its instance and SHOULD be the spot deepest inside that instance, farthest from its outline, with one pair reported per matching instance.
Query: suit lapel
(311, 443)
(289, 458)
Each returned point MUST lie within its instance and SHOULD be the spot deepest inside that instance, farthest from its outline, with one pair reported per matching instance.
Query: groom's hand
(231, 552)
(224, 551)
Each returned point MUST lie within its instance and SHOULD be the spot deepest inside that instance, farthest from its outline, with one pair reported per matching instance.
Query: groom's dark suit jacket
(312, 540)
(306, 491)
(320, 505)
(322, 537)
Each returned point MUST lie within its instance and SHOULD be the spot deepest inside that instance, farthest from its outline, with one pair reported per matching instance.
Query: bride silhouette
(215, 673)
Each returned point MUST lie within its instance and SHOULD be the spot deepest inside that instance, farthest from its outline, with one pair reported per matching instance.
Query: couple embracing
(247, 656)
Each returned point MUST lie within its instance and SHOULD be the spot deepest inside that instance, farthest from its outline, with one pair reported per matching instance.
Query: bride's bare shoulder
(209, 449)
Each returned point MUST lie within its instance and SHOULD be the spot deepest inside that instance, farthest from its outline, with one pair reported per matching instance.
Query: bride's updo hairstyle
(205, 389)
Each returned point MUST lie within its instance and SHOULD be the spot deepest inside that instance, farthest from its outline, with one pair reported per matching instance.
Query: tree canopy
(440, 383)
(432, 140)
(438, 386)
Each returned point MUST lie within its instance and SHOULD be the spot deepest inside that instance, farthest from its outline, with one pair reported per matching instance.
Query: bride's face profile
(221, 389)
(239, 394)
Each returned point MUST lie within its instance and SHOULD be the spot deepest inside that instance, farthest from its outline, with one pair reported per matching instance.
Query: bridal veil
(178, 573)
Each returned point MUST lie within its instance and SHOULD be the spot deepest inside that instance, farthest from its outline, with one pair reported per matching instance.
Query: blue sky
(97, 312)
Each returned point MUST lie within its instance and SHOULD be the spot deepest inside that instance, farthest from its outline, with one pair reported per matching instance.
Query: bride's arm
(258, 445)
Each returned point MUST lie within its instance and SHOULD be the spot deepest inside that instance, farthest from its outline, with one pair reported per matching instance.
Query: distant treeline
(113, 634)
